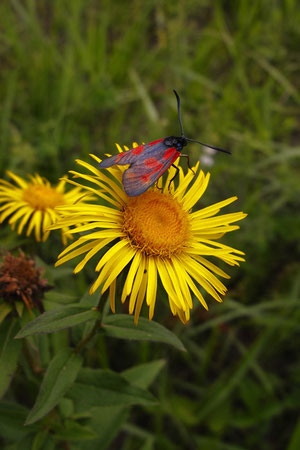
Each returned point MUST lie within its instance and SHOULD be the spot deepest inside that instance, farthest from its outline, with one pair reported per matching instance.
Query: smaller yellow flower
(33, 203)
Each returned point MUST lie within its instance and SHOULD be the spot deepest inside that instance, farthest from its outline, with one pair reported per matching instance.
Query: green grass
(76, 77)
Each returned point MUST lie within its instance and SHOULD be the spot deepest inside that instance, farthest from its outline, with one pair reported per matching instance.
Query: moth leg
(188, 161)
(158, 187)
(173, 178)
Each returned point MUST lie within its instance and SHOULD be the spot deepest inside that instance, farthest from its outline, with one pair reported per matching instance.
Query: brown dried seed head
(20, 280)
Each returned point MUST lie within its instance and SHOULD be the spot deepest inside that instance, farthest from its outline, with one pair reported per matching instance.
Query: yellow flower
(155, 235)
(33, 203)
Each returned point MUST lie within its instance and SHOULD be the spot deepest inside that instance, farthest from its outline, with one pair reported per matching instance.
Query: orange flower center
(41, 197)
(156, 223)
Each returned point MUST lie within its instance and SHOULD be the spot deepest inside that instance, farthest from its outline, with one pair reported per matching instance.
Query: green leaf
(148, 444)
(144, 374)
(294, 443)
(58, 298)
(39, 440)
(122, 326)
(60, 375)
(9, 353)
(96, 387)
(73, 431)
(66, 407)
(26, 443)
(184, 408)
(208, 442)
(4, 310)
(106, 421)
(44, 349)
(12, 418)
(19, 308)
(57, 319)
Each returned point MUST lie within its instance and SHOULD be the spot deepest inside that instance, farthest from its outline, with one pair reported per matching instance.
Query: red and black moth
(148, 162)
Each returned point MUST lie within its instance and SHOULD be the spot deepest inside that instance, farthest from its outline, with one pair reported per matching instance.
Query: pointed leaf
(66, 407)
(60, 375)
(39, 440)
(73, 431)
(9, 353)
(96, 387)
(144, 374)
(4, 310)
(19, 308)
(55, 298)
(12, 418)
(122, 326)
(294, 442)
(57, 319)
(34, 441)
(106, 421)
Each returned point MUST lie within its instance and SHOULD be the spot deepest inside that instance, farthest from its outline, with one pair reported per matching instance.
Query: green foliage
(96, 387)
(9, 353)
(78, 76)
(58, 319)
(12, 421)
(5, 309)
(60, 375)
(122, 326)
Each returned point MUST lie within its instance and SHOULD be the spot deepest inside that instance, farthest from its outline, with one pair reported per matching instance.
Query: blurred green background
(76, 76)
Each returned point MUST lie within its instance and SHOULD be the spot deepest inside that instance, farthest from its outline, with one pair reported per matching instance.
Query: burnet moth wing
(151, 165)
(149, 162)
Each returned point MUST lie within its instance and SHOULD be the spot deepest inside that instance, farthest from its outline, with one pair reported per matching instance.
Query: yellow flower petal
(140, 298)
(111, 253)
(151, 286)
(131, 275)
(112, 295)
(167, 283)
(212, 210)
(136, 285)
(127, 256)
(95, 248)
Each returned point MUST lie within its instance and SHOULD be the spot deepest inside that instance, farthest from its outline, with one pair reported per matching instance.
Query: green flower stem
(33, 362)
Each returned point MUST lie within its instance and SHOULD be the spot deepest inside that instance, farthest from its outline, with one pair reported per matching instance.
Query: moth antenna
(179, 113)
(193, 140)
(210, 146)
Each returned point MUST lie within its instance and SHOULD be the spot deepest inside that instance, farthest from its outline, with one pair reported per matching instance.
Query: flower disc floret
(42, 197)
(156, 224)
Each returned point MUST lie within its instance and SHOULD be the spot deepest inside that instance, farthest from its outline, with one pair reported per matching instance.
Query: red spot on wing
(138, 150)
(170, 152)
(155, 142)
(151, 162)
(156, 170)
(145, 178)
(120, 156)
(176, 154)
